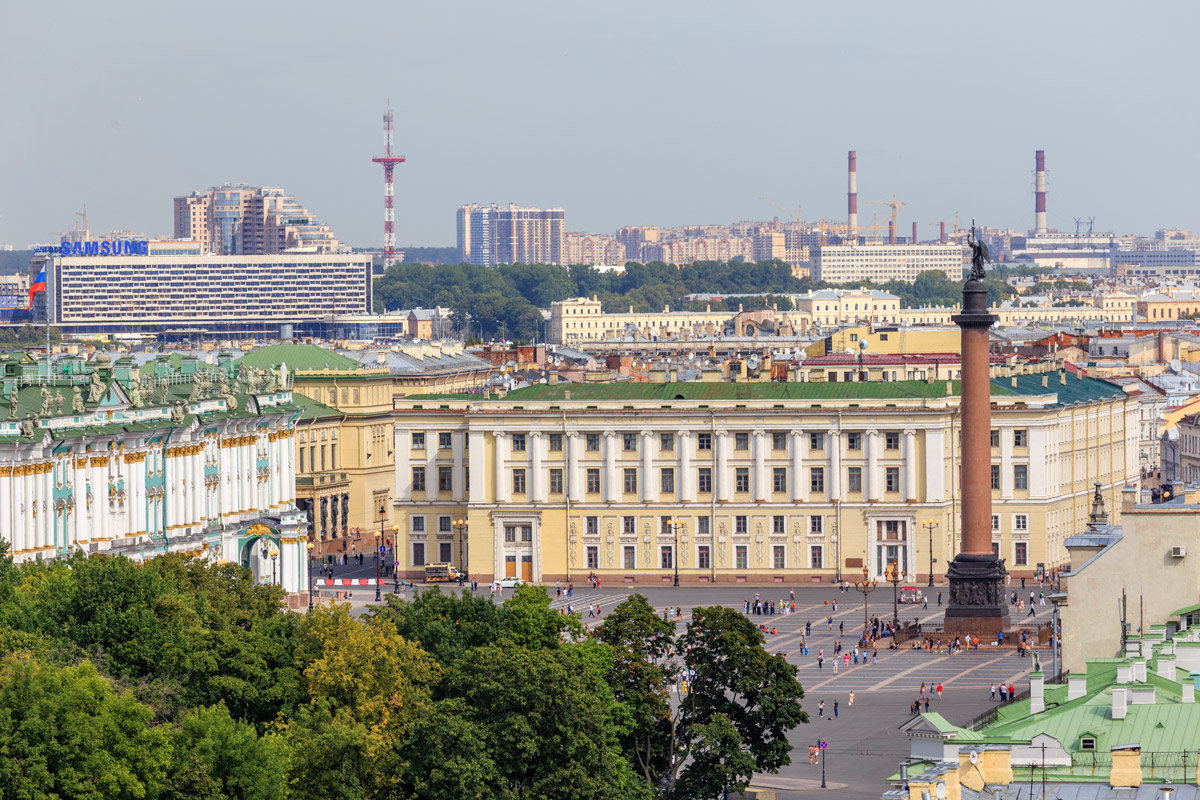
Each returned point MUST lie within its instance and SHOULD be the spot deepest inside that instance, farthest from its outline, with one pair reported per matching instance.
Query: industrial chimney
(942, 235)
(852, 200)
(1039, 206)
(914, 239)
(891, 231)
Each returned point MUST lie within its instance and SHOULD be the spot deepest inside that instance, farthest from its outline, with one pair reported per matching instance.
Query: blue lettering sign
(124, 247)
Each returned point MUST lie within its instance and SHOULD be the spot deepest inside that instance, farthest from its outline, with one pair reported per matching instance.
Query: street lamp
(395, 561)
(272, 552)
(460, 528)
(676, 524)
(894, 575)
(929, 525)
(378, 541)
(310, 575)
(866, 587)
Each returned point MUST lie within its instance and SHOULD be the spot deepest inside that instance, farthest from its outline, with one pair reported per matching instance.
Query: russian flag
(39, 285)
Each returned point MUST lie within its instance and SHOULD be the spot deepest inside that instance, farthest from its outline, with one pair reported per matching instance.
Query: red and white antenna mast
(389, 191)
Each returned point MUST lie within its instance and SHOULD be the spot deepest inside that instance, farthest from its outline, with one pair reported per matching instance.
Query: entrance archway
(259, 551)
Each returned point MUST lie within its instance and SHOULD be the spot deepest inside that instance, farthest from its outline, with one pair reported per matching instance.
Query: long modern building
(879, 263)
(747, 482)
(491, 235)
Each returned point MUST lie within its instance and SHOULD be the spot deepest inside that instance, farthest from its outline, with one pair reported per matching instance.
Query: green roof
(312, 410)
(1186, 610)
(298, 356)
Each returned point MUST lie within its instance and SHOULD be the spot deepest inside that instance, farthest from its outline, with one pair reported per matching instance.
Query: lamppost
(676, 524)
(460, 528)
(866, 587)
(378, 541)
(929, 525)
(310, 575)
(894, 575)
(379, 537)
(272, 552)
(395, 561)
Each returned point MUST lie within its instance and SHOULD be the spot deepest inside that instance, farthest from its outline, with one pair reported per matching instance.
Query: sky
(622, 112)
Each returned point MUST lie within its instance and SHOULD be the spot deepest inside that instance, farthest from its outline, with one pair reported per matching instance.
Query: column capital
(499, 434)
(647, 434)
(833, 433)
(759, 433)
(610, 434)
(872, 432)
(722, 434)
(682, 434)
(572, 434)
(535, 434)
(910, 432)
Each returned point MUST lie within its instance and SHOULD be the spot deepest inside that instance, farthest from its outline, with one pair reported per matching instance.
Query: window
(445, 479)
(854, 441)
(741, 524)
(629, 525)
(1020, 522)
(1087, 743)
(518, 481)
(1020, 554)
(592, 477)
(418, 550)
(816, 525)
(891, 479)
(704, 525)
(664, 524)
(667, 484)
(630, 556)
(854, 479)
(526, 533)
(629, 441)
(816, 556)
(518, 442)
(301, 459)
(741, 479)
(779, 479)
(891, 441)
(667, 561)
(593, 556)
(740, 556)
(703, 557)
(418, 479)
(666, 442)
(995, 523)
(510, 533)
(444, 523)
(704, 480)
(741, 441)
(995, 476)
(778, 440)
(704, 441)
(995, 437)
(630, 480)
(1020, 476)
(444, 441)
(555, 443)
(778, 524)
(591, 525)
(1020, 437)
(444, 552)
(556, 481)
(418, 441)
(816, 479)
(779, 556)
(418, 523)
(592, 441)
(816, 441)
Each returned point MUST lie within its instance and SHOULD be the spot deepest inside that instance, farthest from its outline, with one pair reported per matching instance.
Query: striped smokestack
(852, 199)
(1039, 205)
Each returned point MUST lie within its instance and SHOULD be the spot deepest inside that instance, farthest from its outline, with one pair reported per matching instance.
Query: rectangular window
(418, 549)
(741, 441)
(703, 557)
(740, 556)
(510, 533)
(779, 479)
(444, 552)
(704, 480)
(592, 478)
(418, 441)
(667, 561)
(1020, 522)
(444, 441)
(891, 440)
(592, 441)
(593, 556)
(995, 437)
(418, 479)
(1020, 476)
(591, 525)
(629, 442)
(778, 440)
(704, 441)
(630, 475)
(1020, 554)
(741, 479)
(816, 556)
(301, 459)
(667, 484)
(891, 479)
(518, 443)
(816, 441)
(630, 556)
(854, 441)
(854, 479)
(333, 456)
(704, 525)
(555, 444)
(518, 481)
(816, 479)
(741, 524)
(666, 442)
(816, 524)
(444, 523)
(526, 533)
(778, 556)
(778, 524)
(995, 523)
(1020, 437)
(556, 481)
(445, 479)
(995, 476)
(418, 524)
(629, 525)
(664, 524)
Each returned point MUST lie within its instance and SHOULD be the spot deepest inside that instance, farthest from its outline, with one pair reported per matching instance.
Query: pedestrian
(820, 662)
(924, 601)
(812, 753)
(850, 702)
(939, 691)
(993, 697)
(835, 665)
(821, 709)
(835, 709)
(875, 656)
(1003, 692)
(1041, 598)
(1030, 614)
(557, 589)
(926, 705)
(922, 692)
(842, 628)
(1012, 691)
(939, 598)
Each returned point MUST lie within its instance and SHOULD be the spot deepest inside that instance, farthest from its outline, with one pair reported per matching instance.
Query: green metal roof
(312, 410)
(298, 356)
(1186, 610)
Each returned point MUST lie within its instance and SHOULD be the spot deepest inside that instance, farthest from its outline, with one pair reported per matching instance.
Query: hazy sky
(639, 112)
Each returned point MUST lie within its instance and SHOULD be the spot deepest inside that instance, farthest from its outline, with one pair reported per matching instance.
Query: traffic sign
(824, 744)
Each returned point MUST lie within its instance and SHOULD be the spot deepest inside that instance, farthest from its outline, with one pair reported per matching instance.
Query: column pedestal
(976, 596)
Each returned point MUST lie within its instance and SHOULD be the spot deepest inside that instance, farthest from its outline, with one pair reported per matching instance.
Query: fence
(1176, 766)
(990, 716)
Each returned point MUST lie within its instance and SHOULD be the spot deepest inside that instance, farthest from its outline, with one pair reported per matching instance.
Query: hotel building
(491, 235)
(879, 263)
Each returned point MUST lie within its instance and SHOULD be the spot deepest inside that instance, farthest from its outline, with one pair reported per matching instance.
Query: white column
(910, 464)
(612, 486)
(501, 477)
(574, 471)
(225, 473)
(685, 481)
(833, 481)
(36, 495)
(431, 465)
(22, 519)
(874, 472)
(799, 484)
(1037, 456)
(403, 447)
(759, 471)
(8, 531)
(721, 474)
(935, 464)
(537, 482)
(1006, 463)
(477, 464)
(457, 439)
(648, 485)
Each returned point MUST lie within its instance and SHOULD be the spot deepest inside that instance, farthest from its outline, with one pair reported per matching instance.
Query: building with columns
(169, 456)
(769, 482)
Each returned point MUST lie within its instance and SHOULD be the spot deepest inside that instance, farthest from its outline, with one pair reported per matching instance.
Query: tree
(218, 757)
(446, 625)
(527, 620)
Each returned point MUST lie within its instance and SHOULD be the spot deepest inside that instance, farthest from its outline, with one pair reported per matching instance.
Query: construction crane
(893, 204)
(84, 215)
(798, 216)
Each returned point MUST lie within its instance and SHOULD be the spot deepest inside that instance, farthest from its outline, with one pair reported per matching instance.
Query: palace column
(612, 485)
(684, 482)
(910, 465)
(648, 485)
(874, 479)
(537, 483)
(574, 473)
(501, 478)
(721, 474)
(759, 470)
(833, 481)
(457, 440)
(799, 485)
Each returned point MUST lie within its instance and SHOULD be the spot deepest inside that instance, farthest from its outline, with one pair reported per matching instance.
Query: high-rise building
(248, 220)
(491, 235)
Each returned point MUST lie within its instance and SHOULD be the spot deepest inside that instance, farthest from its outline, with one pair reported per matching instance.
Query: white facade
(879, 263)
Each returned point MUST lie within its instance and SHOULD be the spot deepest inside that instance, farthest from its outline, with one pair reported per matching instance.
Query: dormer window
(1087, 743)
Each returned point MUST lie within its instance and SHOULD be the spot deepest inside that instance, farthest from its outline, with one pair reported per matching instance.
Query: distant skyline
(622, 113)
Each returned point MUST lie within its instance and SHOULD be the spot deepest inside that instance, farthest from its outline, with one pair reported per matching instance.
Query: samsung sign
(123, 247)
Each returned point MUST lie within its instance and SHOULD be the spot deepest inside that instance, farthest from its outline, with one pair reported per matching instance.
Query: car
(510, 583)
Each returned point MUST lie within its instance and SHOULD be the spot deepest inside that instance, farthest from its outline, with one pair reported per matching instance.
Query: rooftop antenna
(389, 163)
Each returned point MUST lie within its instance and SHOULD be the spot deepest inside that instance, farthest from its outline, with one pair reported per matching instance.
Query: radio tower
(389, 162)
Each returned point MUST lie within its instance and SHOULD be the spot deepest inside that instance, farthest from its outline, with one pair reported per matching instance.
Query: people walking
(821, 709)
(835, 709)
(993, 697)
(850, 700)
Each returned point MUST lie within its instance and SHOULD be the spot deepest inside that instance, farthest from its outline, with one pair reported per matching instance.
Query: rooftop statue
(979, 256)
(95, 388)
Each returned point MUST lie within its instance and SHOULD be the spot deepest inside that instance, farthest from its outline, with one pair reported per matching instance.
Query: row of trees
(176, 679)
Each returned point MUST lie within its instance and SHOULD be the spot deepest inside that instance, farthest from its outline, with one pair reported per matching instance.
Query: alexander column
(976, 575)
